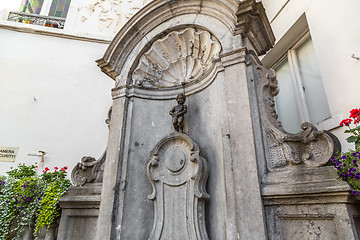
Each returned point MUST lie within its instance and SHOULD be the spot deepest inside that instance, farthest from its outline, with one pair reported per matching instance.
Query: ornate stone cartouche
(178, 176)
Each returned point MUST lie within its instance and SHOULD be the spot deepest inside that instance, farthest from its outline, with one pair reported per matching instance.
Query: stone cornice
(310, 198)
(233, 57)
(253, 24)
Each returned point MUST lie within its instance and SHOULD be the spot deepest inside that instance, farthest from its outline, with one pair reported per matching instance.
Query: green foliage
(25, 197)
(23, 171)
(354, 128)
(7, 202)
(347, 164)
(49, 209)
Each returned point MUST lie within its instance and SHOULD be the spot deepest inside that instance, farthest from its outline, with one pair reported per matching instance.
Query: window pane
(285, 101)
(31, 6)
(59, 8)
(313, 85)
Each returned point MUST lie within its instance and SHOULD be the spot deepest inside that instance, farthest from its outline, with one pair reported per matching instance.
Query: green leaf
(352, 139)
(357, 143)
(347, 131)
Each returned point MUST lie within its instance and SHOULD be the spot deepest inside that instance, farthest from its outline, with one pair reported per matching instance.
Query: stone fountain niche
(228, 170)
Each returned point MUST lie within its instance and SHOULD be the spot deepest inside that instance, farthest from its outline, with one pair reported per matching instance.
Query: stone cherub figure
(178, 112)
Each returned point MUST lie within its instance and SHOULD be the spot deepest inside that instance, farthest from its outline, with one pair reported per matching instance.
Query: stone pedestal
(80, 210)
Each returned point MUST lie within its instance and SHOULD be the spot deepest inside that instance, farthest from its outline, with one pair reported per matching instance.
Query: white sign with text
(8, 154)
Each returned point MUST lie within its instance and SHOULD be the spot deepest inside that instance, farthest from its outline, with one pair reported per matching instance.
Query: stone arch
(127, 47)
(158, 16)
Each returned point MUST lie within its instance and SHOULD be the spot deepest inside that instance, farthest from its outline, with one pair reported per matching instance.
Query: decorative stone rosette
(178, 175)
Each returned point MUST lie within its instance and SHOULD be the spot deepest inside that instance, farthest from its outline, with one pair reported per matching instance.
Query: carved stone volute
(310, 147)
(89, 169)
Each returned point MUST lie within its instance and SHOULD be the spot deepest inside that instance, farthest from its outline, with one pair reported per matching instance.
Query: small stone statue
(178, 112)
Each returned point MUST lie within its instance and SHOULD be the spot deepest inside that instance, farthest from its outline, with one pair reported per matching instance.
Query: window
(302, 96)
(31, 6)
(55, 8)
(59, 8)
(49, 13)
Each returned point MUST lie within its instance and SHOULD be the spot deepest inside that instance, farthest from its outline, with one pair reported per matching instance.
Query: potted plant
(29, 199)
(347, 163)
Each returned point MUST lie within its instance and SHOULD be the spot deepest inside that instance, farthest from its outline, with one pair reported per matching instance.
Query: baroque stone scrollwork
(89, 169)
(177, 59)
(178, 176)
(310, 147)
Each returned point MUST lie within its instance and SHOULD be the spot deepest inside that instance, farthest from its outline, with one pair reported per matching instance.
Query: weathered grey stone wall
(80, 211)
(151, 122)
(218, 119)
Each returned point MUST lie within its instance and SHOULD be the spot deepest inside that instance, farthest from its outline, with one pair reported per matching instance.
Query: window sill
(54, 32)
(330, 123)
(36, 19)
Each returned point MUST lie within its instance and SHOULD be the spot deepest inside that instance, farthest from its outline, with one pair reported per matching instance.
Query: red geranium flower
(355, 113)
(346, 122)
(47, 169)
(56, 168)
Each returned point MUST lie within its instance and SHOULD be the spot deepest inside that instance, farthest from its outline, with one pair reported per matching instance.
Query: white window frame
(286, 47)
(45, 9)
(301, 101)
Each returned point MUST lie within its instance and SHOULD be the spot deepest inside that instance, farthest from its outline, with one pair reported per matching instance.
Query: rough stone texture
(312, 216)
(80, 210)
(302, 195)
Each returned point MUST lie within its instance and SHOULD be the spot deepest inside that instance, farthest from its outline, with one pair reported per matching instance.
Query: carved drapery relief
(178, 175)
(310, 147)
(107, 12)
(179, 58)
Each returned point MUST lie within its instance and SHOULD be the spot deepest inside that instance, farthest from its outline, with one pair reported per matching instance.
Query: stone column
(111, 170)
(242, 180)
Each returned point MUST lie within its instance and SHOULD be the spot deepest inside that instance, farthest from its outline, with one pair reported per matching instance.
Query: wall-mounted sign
(8, 154)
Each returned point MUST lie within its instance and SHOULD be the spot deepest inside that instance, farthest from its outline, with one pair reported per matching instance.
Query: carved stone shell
(177, 59)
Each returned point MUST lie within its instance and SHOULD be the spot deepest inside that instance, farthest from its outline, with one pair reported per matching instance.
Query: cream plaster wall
(72, 95)
(335, 32)
(53, 98)
(100, 18)
(104, 17)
